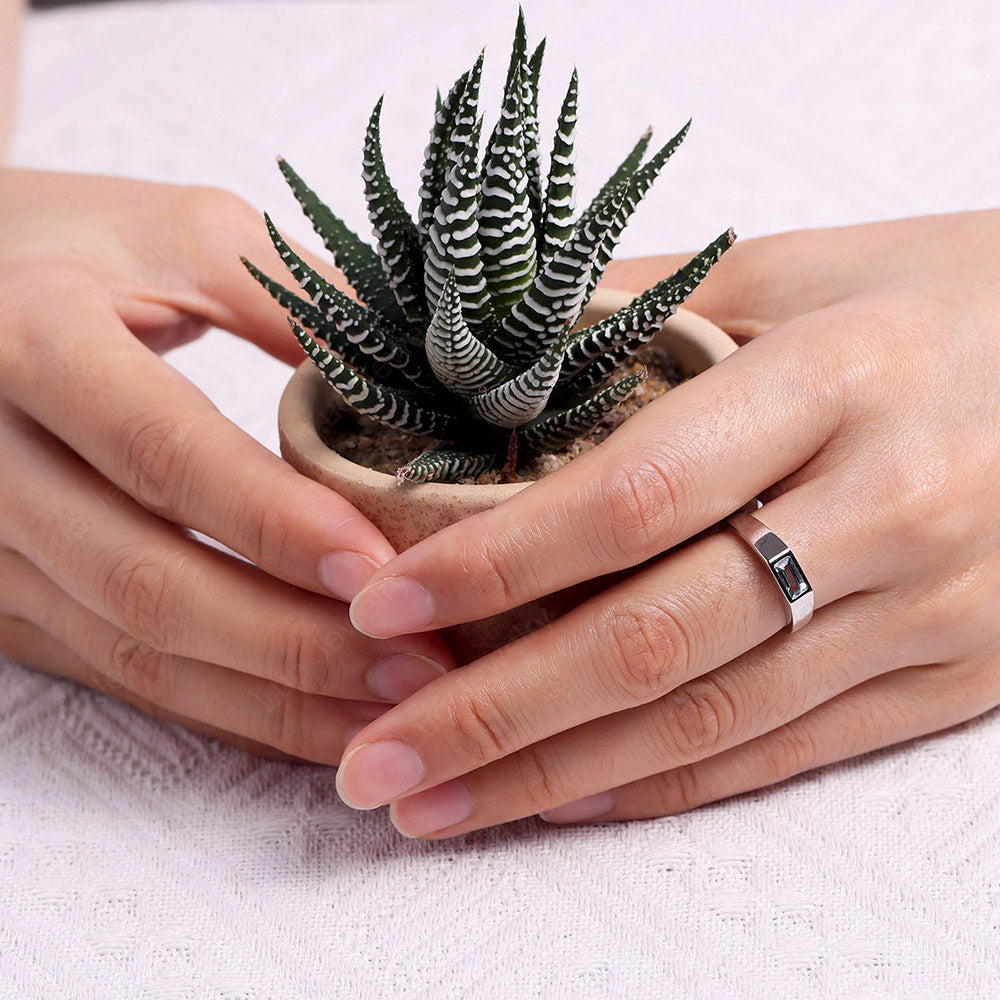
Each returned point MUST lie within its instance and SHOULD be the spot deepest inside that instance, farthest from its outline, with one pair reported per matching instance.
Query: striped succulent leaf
(392, 407)
(557, 221)
(396, 235)
(446, 465)
(462, 332)
(522, 398)
(635, 191)
(553, 431)
(555, 300)
(531, 129)
(359, 262)
(346, 323)
(453, 243)
(436, 163)
(631, 327)
(506, 225)
(461, 362)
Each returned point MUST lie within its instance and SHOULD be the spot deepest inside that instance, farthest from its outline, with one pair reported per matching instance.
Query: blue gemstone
(792, 579)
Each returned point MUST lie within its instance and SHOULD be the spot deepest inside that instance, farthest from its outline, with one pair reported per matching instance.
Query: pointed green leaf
(559, 196)
(531, 154)
(523, 397)
(461, 362)
(618, 337)
(392, 407)
(506, 226)
(447, 465)
(623, 172)
(436, 163)
(553, 431)
(359, 262)
(395, 233)
(453, 243)
(636, 190)
(554, 301)
(348, 324)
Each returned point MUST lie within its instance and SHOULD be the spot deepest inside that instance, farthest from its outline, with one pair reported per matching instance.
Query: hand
(866, 410)
(109, 456)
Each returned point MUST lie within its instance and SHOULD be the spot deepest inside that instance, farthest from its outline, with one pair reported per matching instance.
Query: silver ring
(784, 567)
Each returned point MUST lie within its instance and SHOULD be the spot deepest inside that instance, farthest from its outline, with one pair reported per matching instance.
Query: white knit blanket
(138, 860)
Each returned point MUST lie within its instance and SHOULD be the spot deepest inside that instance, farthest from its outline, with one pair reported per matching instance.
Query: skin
(110, 458)
(865, 410)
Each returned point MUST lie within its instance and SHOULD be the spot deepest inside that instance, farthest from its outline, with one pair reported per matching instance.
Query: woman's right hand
(110, 456)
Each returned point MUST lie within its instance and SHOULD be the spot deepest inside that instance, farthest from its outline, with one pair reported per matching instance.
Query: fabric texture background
(139, 860)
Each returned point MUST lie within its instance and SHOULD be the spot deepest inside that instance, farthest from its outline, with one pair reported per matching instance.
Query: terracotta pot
(407, 514)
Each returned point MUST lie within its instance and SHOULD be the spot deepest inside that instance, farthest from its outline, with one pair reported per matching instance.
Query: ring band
(784, 567)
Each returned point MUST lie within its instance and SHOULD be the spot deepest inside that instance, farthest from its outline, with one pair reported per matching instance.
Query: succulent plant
(465, 326)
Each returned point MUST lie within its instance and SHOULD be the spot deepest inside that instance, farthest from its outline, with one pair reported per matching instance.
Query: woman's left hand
(867, 413)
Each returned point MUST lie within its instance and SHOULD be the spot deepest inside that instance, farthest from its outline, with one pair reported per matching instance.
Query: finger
(306, 726)
(849, 642)
(673, 621)
(156, 436)
(179, 596)
(27, 644)
(671, 470)
(904, 705)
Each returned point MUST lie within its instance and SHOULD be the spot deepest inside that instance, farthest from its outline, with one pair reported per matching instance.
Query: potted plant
(480, 329)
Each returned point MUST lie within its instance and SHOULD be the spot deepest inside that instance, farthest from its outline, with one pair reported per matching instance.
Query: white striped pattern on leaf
(453, 242)
(523, 397)
(391, 407)
(395, 233)
(636, 189)
(348, 321)
(557, 224)
(635, 324)
(555, 300)
(506, 226)
(435, 168)
(359, 262)
(461, 362)
(446, 465)
(553, 431)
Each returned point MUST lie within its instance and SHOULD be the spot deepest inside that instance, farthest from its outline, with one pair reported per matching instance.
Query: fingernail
(376, 773)
(435, 809)
(392, 607)
(399, 676)
(581, 810)
(345, 573)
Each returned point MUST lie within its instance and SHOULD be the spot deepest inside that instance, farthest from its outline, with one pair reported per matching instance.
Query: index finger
(133, 417)
(676, 467)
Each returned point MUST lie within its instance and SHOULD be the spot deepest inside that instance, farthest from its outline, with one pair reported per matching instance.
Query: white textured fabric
(138, 860)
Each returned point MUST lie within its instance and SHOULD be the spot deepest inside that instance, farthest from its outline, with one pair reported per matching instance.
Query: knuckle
(136, 589)
(647, 644)
(790, 750)
(681, 790)
(136, 666)
(283, 723)
(640, 504)
(214, 208)
(267, 534)
(157, 463)
(697, 720)
(302, 653)
(541, 782)
(482, 728)
(487, 571)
